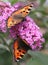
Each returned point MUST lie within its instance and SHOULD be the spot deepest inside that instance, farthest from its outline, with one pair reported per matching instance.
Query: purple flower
(3, 16)
(5, 11)
(29, 32)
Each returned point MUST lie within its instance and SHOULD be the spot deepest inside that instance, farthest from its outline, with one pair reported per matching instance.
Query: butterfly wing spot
(18, 59)
(30, 5)
(18, 56)
(21, 55)
(11, 24)
(22, 52)
(23, 11)
(26, 12)
(19, 50)
(29, 9)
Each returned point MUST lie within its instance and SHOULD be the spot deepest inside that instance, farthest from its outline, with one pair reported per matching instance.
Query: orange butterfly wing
(18, 15)
(20, 48)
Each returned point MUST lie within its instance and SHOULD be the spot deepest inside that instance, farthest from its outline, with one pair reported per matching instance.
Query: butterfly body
(17, 16)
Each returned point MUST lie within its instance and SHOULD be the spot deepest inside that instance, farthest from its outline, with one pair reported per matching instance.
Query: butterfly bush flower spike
(5, 11)
(29, 32)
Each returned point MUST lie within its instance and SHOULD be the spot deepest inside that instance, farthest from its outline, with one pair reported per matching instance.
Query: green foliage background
(32, 57)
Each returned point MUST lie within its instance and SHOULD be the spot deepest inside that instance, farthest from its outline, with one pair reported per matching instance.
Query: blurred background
(40, 15)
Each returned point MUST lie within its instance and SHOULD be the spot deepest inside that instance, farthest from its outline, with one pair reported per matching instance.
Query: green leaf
(4, 47)
(5, 0)
(4, 34)
(4, 38)
(40, 9)
(13, 1)
(6, 58)
(1, 60)
(33, 62)
(45, 20)
(46, 37)
(42, 2)
(38, 58)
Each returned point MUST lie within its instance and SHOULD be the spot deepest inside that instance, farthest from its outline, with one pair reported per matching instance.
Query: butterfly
(20, 48)
(19, 15)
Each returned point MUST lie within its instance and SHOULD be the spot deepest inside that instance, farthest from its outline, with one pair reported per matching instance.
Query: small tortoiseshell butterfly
(19, 15)
(20, 47)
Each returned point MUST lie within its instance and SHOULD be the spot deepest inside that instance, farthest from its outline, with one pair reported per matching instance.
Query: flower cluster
(27, 29)
(29, 32)
(5, 11)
